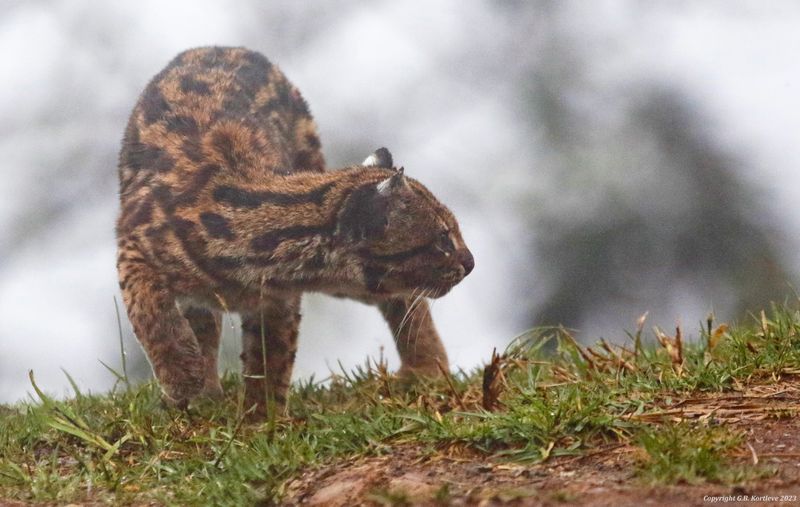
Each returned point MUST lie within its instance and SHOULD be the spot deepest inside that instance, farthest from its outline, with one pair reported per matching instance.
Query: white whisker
(409, 311)
(423, 297)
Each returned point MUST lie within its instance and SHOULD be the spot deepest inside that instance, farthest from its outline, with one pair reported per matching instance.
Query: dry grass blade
(563, 374)
(753, 453)
(723, 408)
(492, 383)
(637, 340)
(673, 346)
(716, 335)
(590, 364)
(385, 377)
(618, 356)
(449, 380)
(233, 436)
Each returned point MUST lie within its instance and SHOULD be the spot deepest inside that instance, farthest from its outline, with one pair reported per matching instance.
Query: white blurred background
(603, 158)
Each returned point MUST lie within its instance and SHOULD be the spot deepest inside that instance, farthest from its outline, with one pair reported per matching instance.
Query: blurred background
(604, 159)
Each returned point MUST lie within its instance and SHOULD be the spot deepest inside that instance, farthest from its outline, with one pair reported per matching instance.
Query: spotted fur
(226, 206)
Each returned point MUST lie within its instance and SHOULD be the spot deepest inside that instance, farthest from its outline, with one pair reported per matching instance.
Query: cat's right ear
(365, 214)
(380, 158)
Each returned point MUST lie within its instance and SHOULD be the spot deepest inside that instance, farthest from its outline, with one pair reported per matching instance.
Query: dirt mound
(605, 476)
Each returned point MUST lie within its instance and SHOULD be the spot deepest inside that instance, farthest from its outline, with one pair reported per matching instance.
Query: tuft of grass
(684, 453)
(549, 397)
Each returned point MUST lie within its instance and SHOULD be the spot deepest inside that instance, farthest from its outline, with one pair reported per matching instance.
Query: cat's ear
(365, 214)
(380, 158)
(393, 182)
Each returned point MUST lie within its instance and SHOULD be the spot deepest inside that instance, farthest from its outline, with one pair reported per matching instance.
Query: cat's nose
(467, 261)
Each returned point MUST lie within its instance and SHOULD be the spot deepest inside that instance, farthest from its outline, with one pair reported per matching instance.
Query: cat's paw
(420, 371)
(212, 390)
(181, 381)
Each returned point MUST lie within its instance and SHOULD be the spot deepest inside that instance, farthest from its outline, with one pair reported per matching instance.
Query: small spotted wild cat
(226, 206)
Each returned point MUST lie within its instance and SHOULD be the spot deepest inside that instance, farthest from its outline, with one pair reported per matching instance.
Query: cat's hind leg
(206, 327)
(167, 337)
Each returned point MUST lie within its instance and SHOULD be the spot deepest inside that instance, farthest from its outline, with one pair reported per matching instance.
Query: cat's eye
(445, 244)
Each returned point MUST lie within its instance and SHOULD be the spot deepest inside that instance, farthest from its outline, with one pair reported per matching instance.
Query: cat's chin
(430, 291)
(437, 291)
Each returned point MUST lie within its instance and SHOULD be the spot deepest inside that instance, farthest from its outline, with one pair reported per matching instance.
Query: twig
(452, 387)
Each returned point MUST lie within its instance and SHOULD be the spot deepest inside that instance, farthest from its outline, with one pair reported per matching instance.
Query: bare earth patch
(766, 414)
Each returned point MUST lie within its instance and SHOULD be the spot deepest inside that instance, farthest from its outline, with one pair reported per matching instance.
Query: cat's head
(406, 240)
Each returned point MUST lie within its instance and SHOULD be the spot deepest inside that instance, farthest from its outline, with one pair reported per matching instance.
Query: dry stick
(769, 455)
(450, 383)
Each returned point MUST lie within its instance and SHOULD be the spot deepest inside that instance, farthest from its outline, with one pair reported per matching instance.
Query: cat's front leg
(418, 344)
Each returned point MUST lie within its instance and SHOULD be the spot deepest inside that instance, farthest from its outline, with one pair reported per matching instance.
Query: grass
(546, 396)
(683, 453)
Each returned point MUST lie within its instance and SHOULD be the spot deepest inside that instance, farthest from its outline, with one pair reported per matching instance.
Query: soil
(606, 476)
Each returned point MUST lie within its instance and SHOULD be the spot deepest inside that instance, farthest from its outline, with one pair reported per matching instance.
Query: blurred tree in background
(645, 210)
(704, 236)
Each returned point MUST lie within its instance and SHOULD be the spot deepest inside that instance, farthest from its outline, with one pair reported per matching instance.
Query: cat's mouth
(430, 285)
(444, 284)
(439, 291)
(441, 287)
